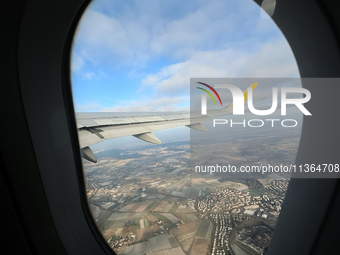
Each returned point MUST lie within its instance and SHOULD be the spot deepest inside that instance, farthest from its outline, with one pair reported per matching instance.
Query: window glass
(131, 67)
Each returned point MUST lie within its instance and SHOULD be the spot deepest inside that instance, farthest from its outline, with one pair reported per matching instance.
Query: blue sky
(140, 55)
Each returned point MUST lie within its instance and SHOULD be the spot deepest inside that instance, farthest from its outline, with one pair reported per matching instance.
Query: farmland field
(201, 246)
(151, 206)
(125, 216)
(95, 211)
(171, 217)
(205, 229)
(160, 207)
(168, 207)
(186, 217)
(139, 248)
(126, 208)
(173, 208)
(186, 234)
(186, 240)
(146, 232)
(257, 192)
(140, 206)
(173, 242)
(178, 194)
(179, 184)
(187, 228)
(175, 251)
(144, 223)
(183, 209)
(168, 222)
(160, 242)
(151, 218)
(255, 222)
(147, 205)
(103, 215)
(193, 193)
(117, 224)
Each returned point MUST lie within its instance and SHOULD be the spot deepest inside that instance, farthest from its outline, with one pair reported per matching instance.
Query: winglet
(88, 154)
(148, 137)
(198, 126)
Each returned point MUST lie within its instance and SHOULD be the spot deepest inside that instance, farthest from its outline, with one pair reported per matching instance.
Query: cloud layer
(156, 50)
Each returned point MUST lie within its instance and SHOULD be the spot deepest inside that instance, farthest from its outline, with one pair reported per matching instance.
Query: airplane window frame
(78, 233)
(43, 66)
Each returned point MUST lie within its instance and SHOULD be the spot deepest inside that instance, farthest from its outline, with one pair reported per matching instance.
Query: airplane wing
(96, 127)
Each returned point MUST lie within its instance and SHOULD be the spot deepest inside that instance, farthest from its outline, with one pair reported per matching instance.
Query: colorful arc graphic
(213, 90)
(208, 93)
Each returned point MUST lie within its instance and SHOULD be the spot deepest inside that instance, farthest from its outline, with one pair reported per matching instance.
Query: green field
(189, 217)
(173, 242)
(170, 169)
(255, 222)
(207, 191)
(161, 217)
(168, 222)
(257, 192)
(147, 223)
(107, 225)
(202, 231)
(199, 185)
(139, 248)
(214, 183)
(113, 208)
(118, 224)
(174, 208)
(122, 219)
(152, 205)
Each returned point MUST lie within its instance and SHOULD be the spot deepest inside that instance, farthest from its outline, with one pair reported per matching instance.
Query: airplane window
(131, 66)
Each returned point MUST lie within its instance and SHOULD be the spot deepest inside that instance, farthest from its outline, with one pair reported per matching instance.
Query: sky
(135, 56)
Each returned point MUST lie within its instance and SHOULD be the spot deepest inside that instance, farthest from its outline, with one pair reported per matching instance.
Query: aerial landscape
(149, 201)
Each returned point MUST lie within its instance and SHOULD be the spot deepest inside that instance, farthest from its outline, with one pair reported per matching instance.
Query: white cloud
(91, 107)
(273, 60)
(104, 38)
(77, 62)
(216, 39)
(134, 37)
(163, 104)
(89, 75)
(194, 31)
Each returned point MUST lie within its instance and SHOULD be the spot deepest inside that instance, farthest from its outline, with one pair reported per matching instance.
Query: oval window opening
(162, 145)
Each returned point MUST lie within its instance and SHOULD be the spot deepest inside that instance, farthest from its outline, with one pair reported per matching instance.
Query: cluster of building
(272, 202)
(223, 199)
(257, 238)
(191, 204)
(223, 227)
(108, 195)
(226, 199)
(224, 223)
(117, 241)
(278, 188)
(226, 207)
